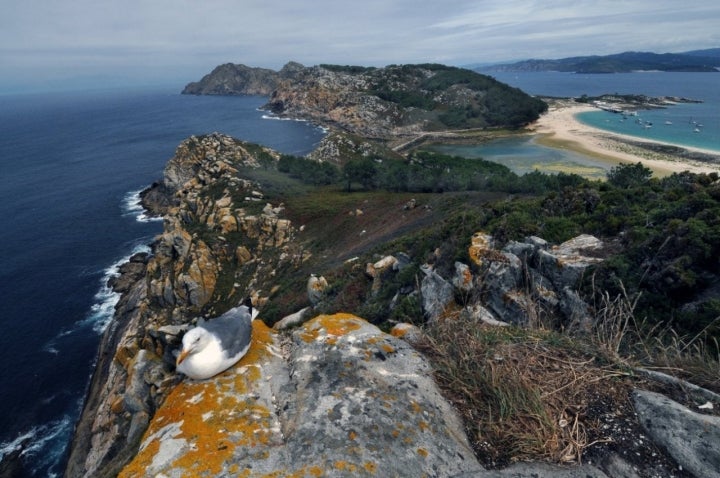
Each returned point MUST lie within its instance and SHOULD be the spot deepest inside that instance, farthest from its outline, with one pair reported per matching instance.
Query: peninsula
(419, 314)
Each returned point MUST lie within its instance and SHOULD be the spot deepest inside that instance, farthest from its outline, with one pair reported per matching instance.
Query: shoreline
(560, 129)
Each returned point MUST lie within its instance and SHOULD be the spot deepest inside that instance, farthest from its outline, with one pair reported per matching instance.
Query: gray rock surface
(437, 293)
(690, 438)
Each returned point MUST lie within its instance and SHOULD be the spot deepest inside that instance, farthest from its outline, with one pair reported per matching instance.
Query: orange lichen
(212, 417)
(399, 332)
(343, 465)
(370, 467)
(315, 471)
(387, 348)
(415, 406)
(352, 435)
(422, 452)
(330, 326)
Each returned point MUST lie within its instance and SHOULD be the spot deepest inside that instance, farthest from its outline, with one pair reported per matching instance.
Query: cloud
(193, 36)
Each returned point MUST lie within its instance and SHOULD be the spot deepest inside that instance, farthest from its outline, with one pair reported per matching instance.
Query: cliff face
(380, 103)
(232, 79)
(215, 224)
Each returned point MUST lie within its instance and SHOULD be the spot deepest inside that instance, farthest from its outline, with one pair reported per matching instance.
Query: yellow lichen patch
(213, 417)
(387, 348)
(343, 465)
(330, 327)
(262, 337)
(315, 471)
(415, 406)
(399, 332)
(480, 244)
(370, 467)
(422, 452)
(352, 435)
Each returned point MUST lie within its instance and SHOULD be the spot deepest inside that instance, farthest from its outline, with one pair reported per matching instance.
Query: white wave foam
(132, 206)
(42, 446)
(105, 300)
(283, 118)
(103, 308)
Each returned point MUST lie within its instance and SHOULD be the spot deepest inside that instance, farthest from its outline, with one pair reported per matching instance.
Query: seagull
(215, 345)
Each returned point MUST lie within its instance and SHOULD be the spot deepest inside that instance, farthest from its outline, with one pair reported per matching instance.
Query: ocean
(71, 168)
(686, 124)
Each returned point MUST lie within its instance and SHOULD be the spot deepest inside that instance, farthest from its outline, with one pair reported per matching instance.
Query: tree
(629, 175)
(361, 171)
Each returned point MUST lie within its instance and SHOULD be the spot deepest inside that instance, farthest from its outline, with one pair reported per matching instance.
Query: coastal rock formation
(217, 247)
(232, 79)
(343, 399)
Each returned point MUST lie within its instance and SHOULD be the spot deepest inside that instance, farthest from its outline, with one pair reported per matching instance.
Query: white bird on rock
(215, 345)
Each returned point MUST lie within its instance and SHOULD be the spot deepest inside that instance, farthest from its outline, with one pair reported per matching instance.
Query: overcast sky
(181, 40)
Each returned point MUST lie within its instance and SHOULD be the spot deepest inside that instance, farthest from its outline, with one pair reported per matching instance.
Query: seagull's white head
(194, 341)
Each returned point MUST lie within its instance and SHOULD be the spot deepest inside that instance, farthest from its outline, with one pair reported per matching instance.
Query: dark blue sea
(686, 124)
(71, 165)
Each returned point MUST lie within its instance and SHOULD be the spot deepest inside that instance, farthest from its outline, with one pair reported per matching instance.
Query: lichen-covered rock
(316, 287)
(348, 400)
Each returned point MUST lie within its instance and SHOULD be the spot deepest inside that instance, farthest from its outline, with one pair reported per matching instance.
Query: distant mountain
(698, 61)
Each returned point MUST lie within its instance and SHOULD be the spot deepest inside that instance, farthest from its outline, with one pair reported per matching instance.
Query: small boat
(668, 122)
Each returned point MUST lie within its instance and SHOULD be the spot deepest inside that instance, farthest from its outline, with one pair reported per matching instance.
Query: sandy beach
(559, 128)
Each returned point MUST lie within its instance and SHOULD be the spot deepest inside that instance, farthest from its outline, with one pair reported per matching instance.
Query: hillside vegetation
(663, 230)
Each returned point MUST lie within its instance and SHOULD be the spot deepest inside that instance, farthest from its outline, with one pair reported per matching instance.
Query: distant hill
(384, 102)
(697, 61)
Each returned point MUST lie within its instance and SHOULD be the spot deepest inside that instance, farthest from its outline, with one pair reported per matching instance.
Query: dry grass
(535, 394)
(523, 394)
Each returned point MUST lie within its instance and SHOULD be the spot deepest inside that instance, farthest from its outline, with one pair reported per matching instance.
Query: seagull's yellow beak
(183, 355)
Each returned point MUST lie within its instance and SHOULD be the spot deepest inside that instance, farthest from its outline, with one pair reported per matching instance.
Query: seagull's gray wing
(233, 329)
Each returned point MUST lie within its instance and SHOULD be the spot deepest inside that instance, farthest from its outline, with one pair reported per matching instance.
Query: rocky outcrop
(344, 399)
(232, 79)
(218, 246)
(689, 437)
(530, 281)
(522, 283)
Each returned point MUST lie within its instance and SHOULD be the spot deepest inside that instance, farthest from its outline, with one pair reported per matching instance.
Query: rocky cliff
(220, 241)
(380, 103)
(232, 79)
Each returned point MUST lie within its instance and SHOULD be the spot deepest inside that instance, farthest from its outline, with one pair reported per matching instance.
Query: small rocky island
(362, 307)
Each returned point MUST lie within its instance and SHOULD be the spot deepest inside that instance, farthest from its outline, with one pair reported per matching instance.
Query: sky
(46, 43)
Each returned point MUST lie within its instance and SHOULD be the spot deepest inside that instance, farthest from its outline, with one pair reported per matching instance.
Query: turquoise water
(523, 155)
(693, 125)
(685, 124)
